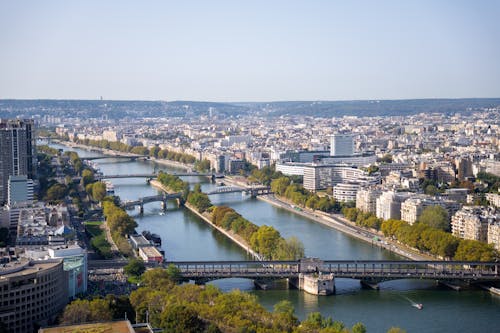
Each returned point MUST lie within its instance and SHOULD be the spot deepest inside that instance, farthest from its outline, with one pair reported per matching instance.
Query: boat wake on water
(419, 306)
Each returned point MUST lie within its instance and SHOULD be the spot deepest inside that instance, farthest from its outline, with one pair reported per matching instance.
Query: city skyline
(228, 52)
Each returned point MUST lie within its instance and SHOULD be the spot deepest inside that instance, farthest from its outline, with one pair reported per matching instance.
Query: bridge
(369, 272)
(153, 198)
(252, 190)
(133, 157)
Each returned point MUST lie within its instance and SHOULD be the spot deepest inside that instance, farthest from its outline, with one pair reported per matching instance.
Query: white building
(341, 145)
(366, 199)
(471, 222)
(389, 204)
(345, 192)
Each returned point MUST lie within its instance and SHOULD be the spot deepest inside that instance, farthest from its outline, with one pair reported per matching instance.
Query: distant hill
(136, 109)
(374, 108)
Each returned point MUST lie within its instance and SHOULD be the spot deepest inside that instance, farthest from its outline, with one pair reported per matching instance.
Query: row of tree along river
(185, 236)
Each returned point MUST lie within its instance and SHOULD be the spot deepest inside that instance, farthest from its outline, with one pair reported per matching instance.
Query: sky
(227, 51)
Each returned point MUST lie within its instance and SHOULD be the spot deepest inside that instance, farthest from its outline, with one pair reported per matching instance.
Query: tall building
(17, 152)
(342, 145)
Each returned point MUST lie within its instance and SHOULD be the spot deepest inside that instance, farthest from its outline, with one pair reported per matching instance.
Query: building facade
(17, 152)
(32, 293)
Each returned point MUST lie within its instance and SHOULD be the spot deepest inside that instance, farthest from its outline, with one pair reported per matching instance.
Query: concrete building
(75, 265)
(366, 199)
(471, 222)
(494, 234)
(17, 152)
(494, 199)
(320, 176)
(341, 145)
(389, 204)
(32, 293)
(20, 191)
(412, 208)
(345, 192)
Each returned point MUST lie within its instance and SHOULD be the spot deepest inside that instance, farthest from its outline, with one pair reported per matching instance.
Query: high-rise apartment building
(341, 145)
(17, 152)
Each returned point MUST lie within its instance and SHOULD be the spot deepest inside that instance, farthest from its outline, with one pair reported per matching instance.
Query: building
(345, 192)
(17, 152)
(494, 199)
(471, 222)
(389, 204)
(20, 191)
(75, 265)
(32, 293)
(320, 176)
(494, 234)
(412, 208)
(121, 326)
(341, 145)
(150, 254)
(366, 199)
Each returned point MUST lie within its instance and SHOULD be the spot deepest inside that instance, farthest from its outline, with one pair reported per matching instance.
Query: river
(187, 237)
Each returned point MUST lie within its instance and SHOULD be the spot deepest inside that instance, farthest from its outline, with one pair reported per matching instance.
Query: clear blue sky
(249, 50)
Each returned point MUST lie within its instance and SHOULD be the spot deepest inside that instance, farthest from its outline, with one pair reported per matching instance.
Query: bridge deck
(381, 270)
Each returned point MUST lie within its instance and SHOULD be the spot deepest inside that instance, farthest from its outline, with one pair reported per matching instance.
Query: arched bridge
(153, 198)
(372, 271)
(252, 190)
(130, 157)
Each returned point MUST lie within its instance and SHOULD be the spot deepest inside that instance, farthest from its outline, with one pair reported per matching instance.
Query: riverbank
(343, 225)
(229, 234)
(111, 152)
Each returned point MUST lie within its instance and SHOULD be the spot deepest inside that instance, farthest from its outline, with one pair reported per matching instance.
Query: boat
(419, 306)
(110, 188)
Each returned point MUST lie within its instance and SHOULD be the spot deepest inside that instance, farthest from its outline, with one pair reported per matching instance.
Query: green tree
(87, 177)
(431, 190)
(98, 191)
(265, 241)
(435, 217)
(56, 192)
(135, 267)
(280, 185)
(180, 318)
(358, 328)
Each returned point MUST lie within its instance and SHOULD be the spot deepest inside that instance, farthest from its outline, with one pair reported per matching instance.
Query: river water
(187, 237)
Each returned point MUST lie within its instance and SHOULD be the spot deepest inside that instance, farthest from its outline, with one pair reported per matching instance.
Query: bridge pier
(450, 285)
(164, 206)
(316, 284)
(369, 285)
(141, 209)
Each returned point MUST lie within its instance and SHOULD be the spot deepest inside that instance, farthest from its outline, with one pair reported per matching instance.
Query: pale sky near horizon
(249, 50)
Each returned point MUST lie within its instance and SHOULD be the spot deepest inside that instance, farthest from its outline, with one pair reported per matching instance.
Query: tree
(279, 185)
(82, 311)
(358, 328)
(435, 217)
(180, 318)
(87, 177)
(135, 267)
(98, 191)
(431, 190)
(265, 241)
(56, 192)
